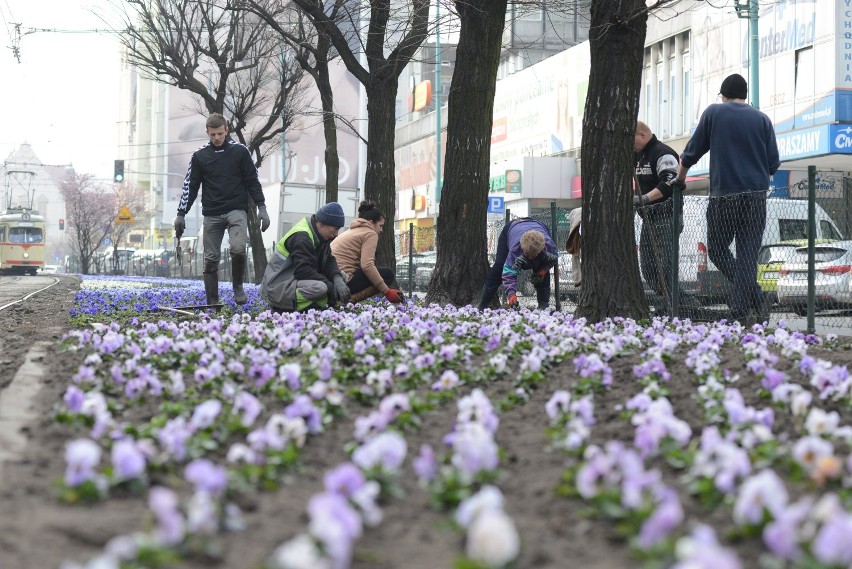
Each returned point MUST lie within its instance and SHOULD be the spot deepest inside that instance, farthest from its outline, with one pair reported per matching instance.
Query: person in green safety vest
(302, 272)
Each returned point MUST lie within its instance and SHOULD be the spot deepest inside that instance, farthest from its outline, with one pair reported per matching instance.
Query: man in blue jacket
(743, 156)
(524, 244)
(228, 175)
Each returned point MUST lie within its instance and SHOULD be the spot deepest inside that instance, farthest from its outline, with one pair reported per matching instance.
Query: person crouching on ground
(302, 272)
(524, 244)
(355, 251)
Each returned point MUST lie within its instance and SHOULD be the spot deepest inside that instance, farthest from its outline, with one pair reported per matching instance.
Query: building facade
(805, 86)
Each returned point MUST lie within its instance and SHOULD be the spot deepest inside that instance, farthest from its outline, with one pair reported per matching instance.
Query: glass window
(647, 84)
(531, 15)
(821, 254)
(661, 102)
(673, 122)
(793, 229)
(828, 231)
(686, 102)
(805, 72)
(25, 235)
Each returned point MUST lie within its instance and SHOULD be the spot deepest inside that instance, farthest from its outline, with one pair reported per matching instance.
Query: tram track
(16, 289)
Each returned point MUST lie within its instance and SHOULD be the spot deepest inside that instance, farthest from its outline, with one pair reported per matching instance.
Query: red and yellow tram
(21, 241)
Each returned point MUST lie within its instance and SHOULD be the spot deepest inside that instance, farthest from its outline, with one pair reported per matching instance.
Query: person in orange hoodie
(355, 251)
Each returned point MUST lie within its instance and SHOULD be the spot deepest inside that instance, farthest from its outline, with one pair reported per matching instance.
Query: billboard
(539, 111)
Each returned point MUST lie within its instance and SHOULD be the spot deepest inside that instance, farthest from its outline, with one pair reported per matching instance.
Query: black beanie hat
(734, 87)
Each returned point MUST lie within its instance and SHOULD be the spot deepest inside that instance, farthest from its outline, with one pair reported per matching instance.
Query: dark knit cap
(331, 214)
(734, 87)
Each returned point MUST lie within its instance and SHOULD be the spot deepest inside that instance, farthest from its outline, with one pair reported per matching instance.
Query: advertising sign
(513, 181)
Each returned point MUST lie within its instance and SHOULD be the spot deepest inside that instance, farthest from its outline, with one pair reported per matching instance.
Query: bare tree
(313, 52)
(611, 281)
(90, 213)
(230, 60)
(462, 261)
(407, 21)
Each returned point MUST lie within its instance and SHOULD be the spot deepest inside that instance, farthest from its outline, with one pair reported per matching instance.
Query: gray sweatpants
(236, 222)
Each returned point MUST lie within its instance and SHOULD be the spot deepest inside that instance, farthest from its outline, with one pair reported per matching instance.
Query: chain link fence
(700, 269)
(162, 263)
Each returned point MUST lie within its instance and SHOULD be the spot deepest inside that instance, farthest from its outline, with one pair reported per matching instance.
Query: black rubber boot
(211, 282)
(238, 271)
(487, 298)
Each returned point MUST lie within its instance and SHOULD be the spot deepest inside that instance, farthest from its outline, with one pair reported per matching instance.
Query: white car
(51, 270)
(832, 278)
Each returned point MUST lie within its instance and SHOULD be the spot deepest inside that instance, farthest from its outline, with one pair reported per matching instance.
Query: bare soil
(38, 532)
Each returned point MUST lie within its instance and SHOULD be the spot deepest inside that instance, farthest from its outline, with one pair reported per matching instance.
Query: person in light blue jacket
(524, 244)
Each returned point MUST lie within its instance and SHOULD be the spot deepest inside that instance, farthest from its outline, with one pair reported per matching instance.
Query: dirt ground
(38, 532)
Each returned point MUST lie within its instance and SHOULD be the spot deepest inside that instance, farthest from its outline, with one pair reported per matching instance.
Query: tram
(21, 241)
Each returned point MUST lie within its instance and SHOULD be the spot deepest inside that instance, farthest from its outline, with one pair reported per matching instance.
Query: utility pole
(749, 9)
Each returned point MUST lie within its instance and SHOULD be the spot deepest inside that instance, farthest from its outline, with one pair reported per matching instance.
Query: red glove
(394, 295)
(538, 277)
(513, 300)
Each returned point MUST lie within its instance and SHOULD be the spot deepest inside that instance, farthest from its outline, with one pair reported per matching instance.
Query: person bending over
(524, 244)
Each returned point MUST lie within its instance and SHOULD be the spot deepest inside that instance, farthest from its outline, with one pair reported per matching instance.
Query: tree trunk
(462, 257)
(611, 282)
(258, 252)
(379, 181)
(323, 82)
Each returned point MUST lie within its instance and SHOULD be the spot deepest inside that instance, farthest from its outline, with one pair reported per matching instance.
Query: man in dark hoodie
(302, 272)
(524, 244)
(743, 156)
(227, 175)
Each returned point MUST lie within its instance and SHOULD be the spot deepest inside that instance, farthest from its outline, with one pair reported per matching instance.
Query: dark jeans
(741, 217)
(655, 254)
(495, 276)
(359, 280)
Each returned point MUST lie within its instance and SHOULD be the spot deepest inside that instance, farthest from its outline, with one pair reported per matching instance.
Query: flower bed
(497, 438)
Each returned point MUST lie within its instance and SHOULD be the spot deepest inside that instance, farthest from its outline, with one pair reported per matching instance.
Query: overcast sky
(62, 97)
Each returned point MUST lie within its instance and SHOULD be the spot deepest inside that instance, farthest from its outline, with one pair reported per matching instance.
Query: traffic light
(61, 225)
(118, 172)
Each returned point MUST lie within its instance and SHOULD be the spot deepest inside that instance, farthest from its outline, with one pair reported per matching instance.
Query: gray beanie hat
(331, 214)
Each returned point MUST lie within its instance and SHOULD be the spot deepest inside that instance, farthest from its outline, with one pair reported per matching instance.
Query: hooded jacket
(356, 249)
(515, 260)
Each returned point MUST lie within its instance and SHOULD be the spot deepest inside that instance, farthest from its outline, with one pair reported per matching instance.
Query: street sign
(124, 216)
(496, 204)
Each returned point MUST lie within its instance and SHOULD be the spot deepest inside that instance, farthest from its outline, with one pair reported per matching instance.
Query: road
(13, 289)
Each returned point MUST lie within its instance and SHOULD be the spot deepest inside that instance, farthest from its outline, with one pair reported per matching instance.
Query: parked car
(832, 279)
(191, 260)
(421, 273)
(786, 220)
(771, 258)
(51, 269)
(425, 265)
(150, 262)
